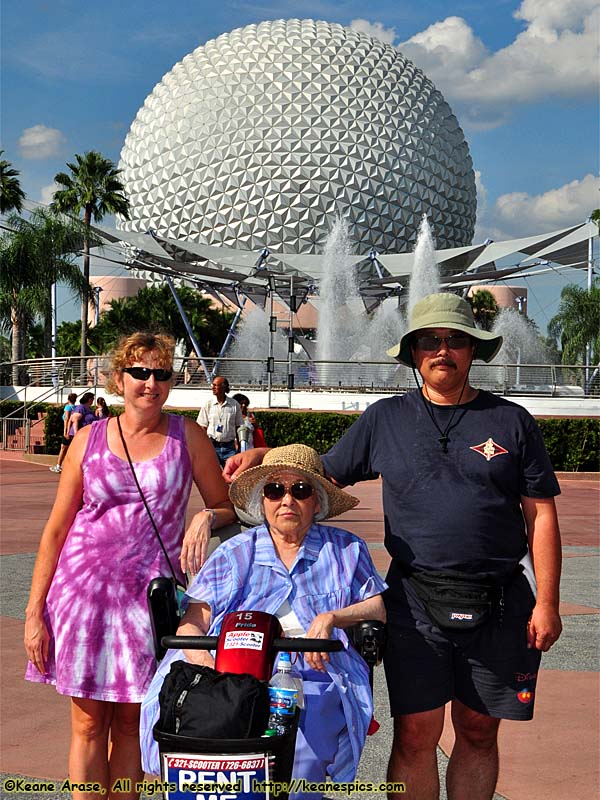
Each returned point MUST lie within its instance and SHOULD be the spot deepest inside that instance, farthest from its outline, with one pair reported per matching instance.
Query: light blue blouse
(333, 569)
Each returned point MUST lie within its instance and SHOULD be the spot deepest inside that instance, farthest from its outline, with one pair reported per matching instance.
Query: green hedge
(573, 443)
(316, 429)
(10, 406)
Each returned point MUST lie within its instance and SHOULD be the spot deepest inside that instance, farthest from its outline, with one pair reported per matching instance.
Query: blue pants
(223, 453)
(321, 722)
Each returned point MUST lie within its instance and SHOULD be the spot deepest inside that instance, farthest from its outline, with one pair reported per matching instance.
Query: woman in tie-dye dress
(87, 626)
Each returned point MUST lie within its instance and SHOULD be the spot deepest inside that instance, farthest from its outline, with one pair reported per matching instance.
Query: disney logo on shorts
(525, 676)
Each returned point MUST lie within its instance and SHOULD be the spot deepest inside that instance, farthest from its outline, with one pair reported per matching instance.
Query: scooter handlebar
(307, 645)
(291, 645)
(189, 642)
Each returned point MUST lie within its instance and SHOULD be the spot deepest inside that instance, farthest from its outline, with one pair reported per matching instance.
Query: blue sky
(521, 77)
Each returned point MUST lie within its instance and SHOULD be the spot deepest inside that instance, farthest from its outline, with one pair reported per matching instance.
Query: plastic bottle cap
(284, 662)
(269, 732)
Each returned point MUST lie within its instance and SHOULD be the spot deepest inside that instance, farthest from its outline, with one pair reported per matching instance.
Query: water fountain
(521, 346)
(425, 277)
(341, 309)
(252, 342)
(345, 332)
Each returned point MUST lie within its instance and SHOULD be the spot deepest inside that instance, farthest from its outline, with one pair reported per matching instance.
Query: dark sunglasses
(299, 491)
(144, 373)
(431, 343)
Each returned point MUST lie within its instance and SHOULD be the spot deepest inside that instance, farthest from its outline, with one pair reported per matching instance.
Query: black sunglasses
(144, 373)
(431, 343)
(301, 490)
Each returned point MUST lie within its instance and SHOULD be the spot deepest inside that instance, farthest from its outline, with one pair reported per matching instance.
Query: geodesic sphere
(258, 138)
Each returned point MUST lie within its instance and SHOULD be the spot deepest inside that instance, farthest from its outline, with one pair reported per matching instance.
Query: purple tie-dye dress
(96, 612)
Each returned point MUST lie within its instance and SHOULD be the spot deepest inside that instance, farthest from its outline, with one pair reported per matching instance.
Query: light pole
(97, 290)
(53, 351)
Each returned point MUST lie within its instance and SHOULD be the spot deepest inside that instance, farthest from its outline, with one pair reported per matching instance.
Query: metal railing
(550, 380)
(16, 433)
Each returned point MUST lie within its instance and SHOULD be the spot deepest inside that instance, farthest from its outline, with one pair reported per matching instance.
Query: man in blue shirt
(468, 498)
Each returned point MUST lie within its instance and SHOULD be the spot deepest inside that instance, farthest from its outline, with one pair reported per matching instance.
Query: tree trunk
(87, 218)
(17, 349)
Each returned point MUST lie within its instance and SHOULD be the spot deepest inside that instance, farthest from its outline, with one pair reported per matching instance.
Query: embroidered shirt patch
(489, 449)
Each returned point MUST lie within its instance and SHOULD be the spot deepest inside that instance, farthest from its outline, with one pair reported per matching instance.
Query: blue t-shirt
(456, 511)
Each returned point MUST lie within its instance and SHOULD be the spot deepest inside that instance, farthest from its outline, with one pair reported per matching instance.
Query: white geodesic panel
(258, 138)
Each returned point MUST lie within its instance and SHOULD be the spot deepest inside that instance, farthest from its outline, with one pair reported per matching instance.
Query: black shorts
(490, 669)
(66, 442)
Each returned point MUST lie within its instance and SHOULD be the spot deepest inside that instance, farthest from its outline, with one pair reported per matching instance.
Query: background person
(275, 567)
(221, 416)
(102, 409)
(82, 413)
(249, 422)
(87, 626)
(468, 493)
(66, 437)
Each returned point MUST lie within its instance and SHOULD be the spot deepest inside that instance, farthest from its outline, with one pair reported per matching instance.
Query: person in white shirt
(221, 416)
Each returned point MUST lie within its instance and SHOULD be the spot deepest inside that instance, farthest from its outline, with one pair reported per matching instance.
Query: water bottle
(298, 680)
(283, 696)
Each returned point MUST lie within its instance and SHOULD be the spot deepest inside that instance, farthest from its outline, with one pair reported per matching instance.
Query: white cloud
(449, 45)
(521, 213)
(556, 55)
(40, 142)
(47, 193)
(557, 14)
(375, 29)
(481, 193)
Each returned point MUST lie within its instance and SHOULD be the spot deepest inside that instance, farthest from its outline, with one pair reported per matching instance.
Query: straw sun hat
(297, 457)
(446, 310)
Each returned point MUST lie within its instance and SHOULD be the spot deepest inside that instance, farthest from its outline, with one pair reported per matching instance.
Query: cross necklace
(444, 438)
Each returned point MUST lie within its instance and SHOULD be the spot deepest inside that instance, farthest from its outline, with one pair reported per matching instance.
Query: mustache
(447, 362)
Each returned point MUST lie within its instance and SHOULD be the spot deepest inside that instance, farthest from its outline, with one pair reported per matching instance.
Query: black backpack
(197, 701)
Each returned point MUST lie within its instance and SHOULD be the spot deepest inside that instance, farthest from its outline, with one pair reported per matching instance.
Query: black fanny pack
(456, 602)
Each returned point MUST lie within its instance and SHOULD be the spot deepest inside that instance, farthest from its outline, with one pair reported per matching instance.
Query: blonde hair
(132, 347)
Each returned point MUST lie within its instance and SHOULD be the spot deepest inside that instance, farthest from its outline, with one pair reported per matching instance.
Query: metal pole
(54, 327)
(97, 290)
(188, 328)
(291, 342)
(588, 346)
(375, 262)
(272, 328)
(229, 336)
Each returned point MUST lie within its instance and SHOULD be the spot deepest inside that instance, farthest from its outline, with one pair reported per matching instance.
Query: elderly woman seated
(316, 579)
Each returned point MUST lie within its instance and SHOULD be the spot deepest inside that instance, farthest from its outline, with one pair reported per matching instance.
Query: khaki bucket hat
(300, 458)
(446, 310)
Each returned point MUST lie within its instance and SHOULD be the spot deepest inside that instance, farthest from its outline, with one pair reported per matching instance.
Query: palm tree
(155, 308)
(34, 254)
(94, 188)
(485, 308)
(577, 323)
(11, 194)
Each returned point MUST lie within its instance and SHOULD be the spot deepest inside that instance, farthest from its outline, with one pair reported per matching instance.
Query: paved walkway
(555, 757)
